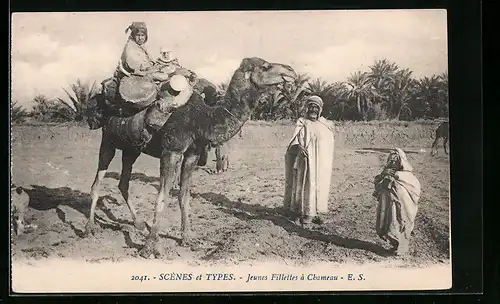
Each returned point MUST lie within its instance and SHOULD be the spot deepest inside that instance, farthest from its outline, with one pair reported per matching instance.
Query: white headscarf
(316, 100)
(403, 160)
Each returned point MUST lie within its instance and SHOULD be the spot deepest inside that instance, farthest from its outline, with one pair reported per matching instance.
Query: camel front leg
(168, 163)
(446, 143)
(188, 166)
(106, 155)
(128, 160)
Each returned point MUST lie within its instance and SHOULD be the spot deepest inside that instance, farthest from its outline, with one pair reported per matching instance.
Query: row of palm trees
(386, 91)
(59, 109)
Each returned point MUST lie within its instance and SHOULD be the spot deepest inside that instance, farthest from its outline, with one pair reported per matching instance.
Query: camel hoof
(91, 229)
(150, 247)
(401, 253)
(187, 242)
(140, 225)
(149, 251)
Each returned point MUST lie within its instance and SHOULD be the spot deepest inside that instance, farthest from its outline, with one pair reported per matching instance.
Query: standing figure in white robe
(308, 164)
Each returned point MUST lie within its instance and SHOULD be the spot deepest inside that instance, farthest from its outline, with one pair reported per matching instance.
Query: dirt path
(235, 215)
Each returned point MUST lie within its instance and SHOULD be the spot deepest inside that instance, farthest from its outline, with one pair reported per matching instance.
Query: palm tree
(294, 94)
(319, 87)
(18, 113)
(399, 93)
(221, 90)
(273, 105)
(48, 110)
(382, 72)
(43, 105)
(444, 93)
(338, 95)
(426, 97)
(82, 94)
(362, 91)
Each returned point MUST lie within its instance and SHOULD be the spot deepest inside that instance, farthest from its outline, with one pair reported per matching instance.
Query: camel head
(262, 74)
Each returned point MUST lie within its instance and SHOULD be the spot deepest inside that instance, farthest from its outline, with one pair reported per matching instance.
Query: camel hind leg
(446, 143)
(128, 160)
(106, 154)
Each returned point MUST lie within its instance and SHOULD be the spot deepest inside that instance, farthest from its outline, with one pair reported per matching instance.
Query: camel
(183, 139)
(441, 132)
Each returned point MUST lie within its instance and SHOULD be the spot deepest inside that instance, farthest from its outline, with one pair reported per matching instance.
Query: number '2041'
(140, 278)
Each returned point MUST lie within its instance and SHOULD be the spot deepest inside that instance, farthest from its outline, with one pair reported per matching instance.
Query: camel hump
(208, 89)
(137, 90)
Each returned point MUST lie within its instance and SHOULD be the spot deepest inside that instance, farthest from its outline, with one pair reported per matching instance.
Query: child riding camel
(136, 60)
(169, 64)
(138, 78)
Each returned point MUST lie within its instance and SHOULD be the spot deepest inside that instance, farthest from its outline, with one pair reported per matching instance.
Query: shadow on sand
(276, 215)
(135, 176)
(43, 198)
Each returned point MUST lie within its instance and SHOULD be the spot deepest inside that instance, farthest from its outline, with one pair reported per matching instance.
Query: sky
(51, 50)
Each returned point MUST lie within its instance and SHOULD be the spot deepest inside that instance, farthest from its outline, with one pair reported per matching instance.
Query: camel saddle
(137, 90)
(134, 129)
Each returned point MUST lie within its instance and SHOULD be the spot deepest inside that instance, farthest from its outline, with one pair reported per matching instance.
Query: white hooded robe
(307, 179)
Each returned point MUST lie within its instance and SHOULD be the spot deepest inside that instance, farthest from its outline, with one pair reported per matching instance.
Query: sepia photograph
(230, 151)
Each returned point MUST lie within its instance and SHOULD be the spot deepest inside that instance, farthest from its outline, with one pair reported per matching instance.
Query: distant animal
(441, 132)
(221, 158)
(20, 202)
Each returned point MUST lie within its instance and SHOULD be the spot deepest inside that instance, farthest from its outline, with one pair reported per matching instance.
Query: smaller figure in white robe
(397, 191)
(308, 164)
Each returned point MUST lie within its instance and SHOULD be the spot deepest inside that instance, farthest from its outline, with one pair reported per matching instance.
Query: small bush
(18, 113)
(48, 110)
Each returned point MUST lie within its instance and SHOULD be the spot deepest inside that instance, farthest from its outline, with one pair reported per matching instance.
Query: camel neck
(241, 102)
(236, 108)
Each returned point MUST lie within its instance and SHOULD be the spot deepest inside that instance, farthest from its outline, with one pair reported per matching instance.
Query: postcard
(230, 151)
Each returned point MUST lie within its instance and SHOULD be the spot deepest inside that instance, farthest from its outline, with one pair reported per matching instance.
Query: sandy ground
(235, 215)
